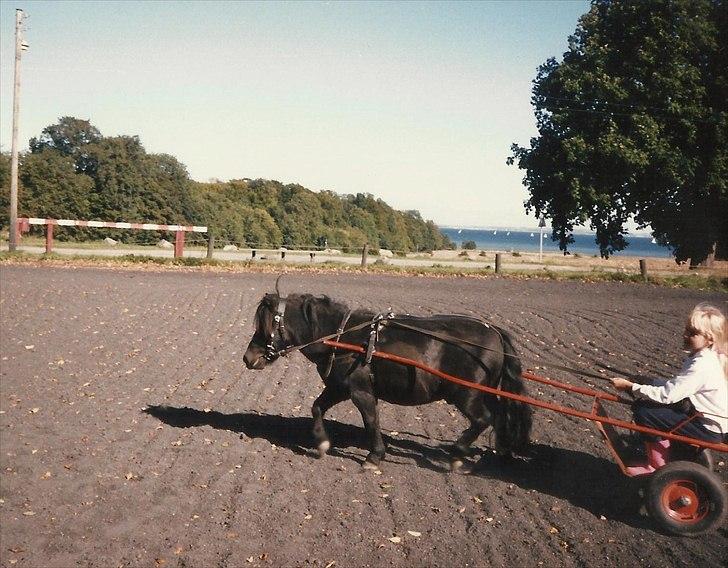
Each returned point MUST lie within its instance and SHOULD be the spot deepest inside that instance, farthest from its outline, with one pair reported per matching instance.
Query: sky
(416, 103)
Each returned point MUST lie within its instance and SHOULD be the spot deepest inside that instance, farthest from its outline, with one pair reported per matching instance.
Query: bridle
(273, 348)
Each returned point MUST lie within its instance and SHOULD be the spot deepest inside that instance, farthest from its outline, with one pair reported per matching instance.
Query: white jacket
(703, 381)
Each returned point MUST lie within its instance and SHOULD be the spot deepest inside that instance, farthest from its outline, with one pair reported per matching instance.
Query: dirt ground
(219, 471)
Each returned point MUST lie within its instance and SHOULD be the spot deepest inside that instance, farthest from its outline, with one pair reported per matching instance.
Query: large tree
(634, 123)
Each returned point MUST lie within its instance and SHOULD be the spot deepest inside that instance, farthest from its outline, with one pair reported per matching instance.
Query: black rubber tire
(686, 499)
(685, 452)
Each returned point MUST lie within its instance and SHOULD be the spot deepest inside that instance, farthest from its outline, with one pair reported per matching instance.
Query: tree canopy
(73, 171)
(633, 123)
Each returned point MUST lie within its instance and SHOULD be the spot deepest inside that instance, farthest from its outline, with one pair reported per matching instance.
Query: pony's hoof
(323, 448)
(459, 466)
(369, 466)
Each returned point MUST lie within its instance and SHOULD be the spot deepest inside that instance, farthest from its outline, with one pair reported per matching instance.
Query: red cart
(685, 497)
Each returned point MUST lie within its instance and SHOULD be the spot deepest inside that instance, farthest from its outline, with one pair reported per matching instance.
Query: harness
(339, 333)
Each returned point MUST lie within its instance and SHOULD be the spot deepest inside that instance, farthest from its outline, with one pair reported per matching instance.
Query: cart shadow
(586, 481)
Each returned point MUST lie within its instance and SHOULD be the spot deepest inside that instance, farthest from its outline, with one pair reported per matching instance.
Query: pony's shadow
(294, 433)
(586, 481)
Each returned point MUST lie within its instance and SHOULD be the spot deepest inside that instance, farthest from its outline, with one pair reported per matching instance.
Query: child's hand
(621, 384)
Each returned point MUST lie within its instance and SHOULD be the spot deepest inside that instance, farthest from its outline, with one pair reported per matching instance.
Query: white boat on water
(654, 242)
(531, 234)
(508, 233)
(495, 232)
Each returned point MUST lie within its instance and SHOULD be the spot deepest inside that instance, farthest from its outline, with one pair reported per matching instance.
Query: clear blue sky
(415, 103)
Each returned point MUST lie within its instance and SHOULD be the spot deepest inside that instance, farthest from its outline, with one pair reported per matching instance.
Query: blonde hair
(711, 323)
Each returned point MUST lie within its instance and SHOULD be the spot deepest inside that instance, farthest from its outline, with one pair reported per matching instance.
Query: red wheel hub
(684, 501)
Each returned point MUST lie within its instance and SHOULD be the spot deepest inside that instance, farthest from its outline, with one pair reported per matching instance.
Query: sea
(519, 240)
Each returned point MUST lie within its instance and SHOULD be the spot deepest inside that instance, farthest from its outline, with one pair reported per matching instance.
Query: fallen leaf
(395, 539)
(477, 499)
(461, 510)
(178, 550)
(29, 513)
(308, 517)
(29, 347)
(414, 533)
(553, 530)
(34, 410)
(46, 475)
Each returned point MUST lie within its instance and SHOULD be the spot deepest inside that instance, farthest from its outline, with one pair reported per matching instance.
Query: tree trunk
(708, 262)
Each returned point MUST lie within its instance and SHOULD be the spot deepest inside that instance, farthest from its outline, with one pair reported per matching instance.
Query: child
(701, 385)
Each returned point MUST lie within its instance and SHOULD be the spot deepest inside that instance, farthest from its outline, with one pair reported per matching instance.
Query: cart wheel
(686, 499)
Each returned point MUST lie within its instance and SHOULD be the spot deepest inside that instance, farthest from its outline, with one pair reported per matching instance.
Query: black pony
(457, 345)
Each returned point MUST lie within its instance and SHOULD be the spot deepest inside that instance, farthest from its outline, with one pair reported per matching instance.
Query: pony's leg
(476, 411)
(328, 398)
(366, 402)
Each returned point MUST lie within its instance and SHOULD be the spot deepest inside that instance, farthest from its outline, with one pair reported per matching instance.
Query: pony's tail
(513, 419)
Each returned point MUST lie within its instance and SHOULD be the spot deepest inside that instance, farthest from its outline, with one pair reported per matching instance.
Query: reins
(389, 318)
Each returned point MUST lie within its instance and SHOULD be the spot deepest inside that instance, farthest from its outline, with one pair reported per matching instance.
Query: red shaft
(532, 401)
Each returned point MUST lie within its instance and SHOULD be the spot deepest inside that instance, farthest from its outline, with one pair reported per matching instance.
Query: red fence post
(49, 237)
(179, 244)
(23, 226)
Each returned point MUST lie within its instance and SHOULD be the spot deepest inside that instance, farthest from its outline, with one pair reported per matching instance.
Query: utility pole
(20, 46)
(541, 225)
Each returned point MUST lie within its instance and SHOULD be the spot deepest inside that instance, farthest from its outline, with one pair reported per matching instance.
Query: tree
(634, 123)
(70, 137)
(51, 188)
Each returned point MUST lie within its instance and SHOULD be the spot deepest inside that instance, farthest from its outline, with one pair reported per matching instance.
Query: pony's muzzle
(254, 362)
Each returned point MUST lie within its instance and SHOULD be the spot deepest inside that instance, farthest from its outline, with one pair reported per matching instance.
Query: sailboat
(508, 233)
(654, 242)
(531, 234)
(495, 232)
(460, 231)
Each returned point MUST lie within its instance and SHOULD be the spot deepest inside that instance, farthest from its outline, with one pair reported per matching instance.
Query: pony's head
(264, 345)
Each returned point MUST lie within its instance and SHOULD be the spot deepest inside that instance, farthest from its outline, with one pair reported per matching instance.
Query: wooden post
(210, 244)
(497, 263)
(364, 253)
(179, 244)
(252, 253)
(283, 255)
(643, 268)
(22, 226)
(49, 238)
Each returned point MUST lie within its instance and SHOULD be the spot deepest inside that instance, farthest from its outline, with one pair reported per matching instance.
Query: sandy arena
(222, 472)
